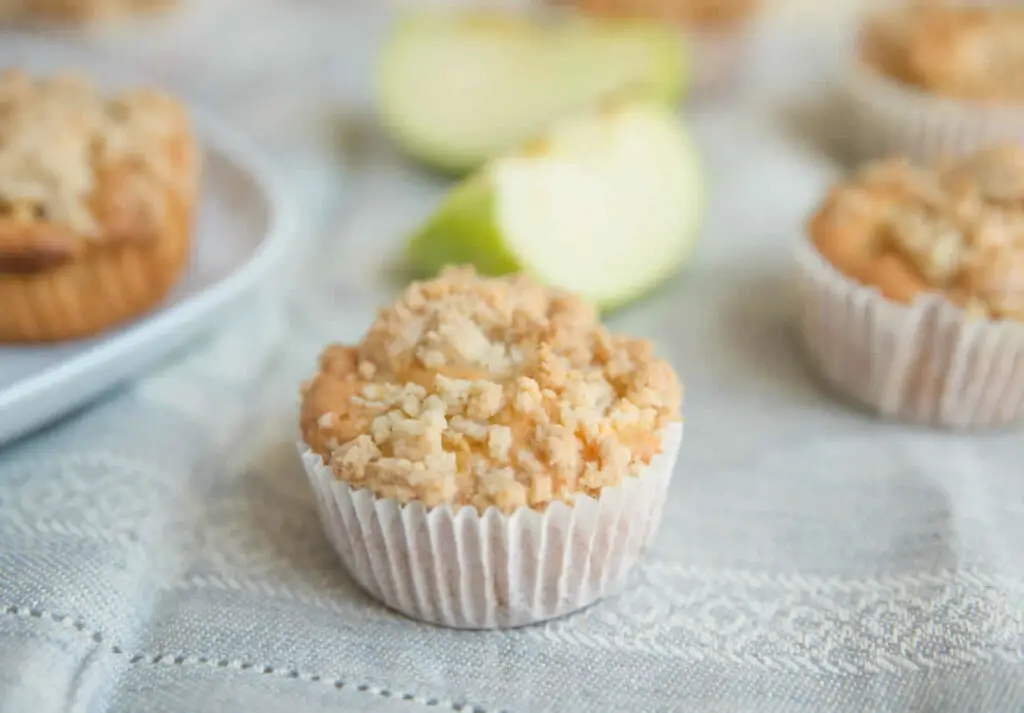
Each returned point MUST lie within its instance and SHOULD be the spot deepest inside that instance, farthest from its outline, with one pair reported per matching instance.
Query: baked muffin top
(79, 169)
(488, 392)
(956, 227)
(699, 13)
(959, 51)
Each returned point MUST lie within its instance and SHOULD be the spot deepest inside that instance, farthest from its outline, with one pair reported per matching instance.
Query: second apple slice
(606, 204)
(456, 88)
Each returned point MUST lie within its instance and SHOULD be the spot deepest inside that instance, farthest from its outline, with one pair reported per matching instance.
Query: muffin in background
(938, 78)
(97, 196)
(503, 5)
(489, 455)
(717, 32)
(912, 289)
(77, 11)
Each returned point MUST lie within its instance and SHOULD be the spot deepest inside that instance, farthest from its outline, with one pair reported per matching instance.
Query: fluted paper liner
(928, 362)
(471, 571)
(889, 118)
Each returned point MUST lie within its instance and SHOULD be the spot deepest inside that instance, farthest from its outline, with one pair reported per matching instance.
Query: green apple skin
(463, 231)
(455, 89)
(477, 223)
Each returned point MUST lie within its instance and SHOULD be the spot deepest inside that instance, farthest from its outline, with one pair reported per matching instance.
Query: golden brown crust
(29, 245)
(96, 203)
(84, 297)
(964, 52)
(486, 392)
(955, 228)
(711, 14)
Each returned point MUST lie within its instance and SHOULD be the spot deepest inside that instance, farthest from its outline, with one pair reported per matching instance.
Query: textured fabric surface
(160, 551)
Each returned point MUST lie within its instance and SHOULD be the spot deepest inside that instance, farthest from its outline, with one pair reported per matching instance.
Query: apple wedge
(457, 88)
(607, 204)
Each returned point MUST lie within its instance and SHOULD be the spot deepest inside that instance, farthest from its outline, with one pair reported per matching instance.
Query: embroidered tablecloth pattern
(160, 552)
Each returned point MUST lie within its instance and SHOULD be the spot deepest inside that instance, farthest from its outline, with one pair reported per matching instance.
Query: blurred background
(300, 76)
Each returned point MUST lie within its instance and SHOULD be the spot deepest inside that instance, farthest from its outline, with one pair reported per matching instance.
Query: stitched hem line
(172, 659)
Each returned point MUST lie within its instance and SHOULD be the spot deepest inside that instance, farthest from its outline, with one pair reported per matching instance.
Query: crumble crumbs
(496, 391)
(963, 51)
(956, 227)
(59, 134)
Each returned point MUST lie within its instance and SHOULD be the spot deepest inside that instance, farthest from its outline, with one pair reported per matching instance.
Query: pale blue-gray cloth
(161, 552)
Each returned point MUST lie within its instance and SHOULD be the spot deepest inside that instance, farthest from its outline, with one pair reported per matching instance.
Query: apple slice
(456, 88)
(606, 204)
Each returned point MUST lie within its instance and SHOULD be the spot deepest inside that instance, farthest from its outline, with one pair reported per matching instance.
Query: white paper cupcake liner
(927, 363)
(472, 571)
(888, 118)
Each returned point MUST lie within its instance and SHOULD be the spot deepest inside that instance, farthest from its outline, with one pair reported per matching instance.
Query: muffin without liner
(97, 196)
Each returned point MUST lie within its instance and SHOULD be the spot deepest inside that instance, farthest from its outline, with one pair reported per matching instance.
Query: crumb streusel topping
(58, 135)
(957, 227)
(484, 392)
(960, 51)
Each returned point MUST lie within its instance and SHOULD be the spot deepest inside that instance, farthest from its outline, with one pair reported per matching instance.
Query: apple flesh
(457, 88)
(607, 204)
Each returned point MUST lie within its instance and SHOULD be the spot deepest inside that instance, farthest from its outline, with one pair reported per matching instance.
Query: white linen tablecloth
(161, 552)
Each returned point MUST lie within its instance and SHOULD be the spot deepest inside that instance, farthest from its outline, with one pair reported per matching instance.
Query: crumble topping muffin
(489, 393)
(939, 78)
(964, 51)
(96, 202)
(957, 228)
(490, 431)
(913, 288)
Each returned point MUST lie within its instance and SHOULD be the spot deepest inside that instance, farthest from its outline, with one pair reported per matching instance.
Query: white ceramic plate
(243, 224)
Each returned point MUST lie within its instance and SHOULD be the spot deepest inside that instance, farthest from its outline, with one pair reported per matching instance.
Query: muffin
(912, 286)
(97, 195)
(418, 5)
(933, 79)
(489, 455)
(717, 31)
(77, 10)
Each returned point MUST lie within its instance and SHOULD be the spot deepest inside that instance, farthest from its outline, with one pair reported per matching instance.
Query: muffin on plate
(717, 31)
(489, 455)
(77, 10)
(938, 78)
(97, 195)
(912, 285)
